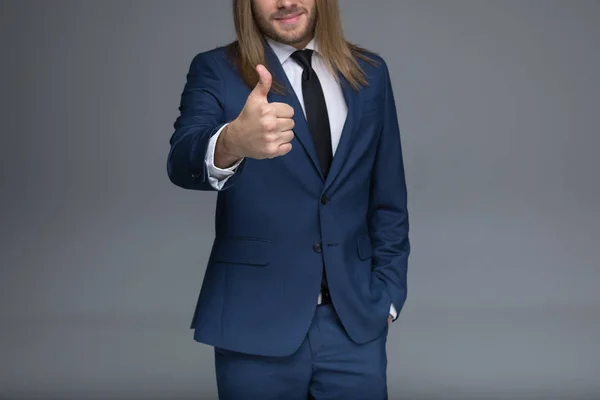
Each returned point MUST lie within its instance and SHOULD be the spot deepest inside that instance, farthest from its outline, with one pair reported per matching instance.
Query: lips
(287, 19)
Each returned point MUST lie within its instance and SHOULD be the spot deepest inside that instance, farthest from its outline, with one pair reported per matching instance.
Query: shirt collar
(284, 51)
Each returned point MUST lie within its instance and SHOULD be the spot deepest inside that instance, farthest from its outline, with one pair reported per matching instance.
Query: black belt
(325, 296)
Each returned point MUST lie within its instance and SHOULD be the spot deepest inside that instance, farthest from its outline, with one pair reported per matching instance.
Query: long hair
(339, 55)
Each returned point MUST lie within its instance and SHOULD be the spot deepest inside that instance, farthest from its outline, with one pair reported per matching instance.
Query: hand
(263, 129)
(390, 318)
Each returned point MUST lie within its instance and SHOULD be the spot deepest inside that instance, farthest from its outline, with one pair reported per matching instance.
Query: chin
(292, 37)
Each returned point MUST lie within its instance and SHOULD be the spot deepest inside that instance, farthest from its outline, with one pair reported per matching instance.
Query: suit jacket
(278, 220)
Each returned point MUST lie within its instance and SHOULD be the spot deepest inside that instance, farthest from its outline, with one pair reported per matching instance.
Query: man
(297, 130)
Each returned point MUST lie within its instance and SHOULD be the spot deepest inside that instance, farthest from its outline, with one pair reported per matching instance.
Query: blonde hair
(339, 55)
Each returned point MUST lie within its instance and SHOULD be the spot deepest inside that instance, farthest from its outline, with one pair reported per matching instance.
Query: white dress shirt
(334, 99)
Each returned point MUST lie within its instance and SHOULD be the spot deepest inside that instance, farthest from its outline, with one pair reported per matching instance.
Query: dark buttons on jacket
(196, 177)
(324, 200)
(317, 247)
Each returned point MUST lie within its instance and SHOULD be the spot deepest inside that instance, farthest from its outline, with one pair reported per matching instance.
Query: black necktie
(318, 124)
(316, 110)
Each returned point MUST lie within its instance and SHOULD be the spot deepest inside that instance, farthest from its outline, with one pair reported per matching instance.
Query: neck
(298, 45)
(301, 45)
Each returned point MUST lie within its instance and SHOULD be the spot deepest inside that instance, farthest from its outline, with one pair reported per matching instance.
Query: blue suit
(278, 220)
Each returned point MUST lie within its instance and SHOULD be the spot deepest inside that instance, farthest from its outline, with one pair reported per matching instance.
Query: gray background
(102, 257)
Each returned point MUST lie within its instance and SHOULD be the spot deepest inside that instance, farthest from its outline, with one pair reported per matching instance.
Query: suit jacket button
(317, 247)
(324, 200)
(196, 177)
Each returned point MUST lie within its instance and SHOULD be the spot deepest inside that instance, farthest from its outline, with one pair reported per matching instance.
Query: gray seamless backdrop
(102, 257)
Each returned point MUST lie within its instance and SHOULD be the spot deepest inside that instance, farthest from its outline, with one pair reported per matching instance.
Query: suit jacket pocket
(240, 250)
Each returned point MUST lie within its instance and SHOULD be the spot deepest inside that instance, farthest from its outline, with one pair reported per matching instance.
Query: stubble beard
(267, 29)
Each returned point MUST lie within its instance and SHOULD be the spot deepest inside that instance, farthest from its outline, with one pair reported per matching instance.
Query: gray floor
(434, 354)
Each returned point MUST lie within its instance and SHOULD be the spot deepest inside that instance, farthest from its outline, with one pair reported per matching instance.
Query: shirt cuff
(393, 312)
(217, 176)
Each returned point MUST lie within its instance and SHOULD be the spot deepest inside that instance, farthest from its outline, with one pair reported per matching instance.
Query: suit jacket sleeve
(201, 116)
(388, 215)
(218, 176)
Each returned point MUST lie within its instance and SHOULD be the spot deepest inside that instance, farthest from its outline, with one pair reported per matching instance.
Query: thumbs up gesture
(262, 129)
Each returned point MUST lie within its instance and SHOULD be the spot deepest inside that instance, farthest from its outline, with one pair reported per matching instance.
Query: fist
(263, 129)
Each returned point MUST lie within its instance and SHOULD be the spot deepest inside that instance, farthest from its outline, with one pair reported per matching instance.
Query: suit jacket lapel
(301, 126)
(352, 98)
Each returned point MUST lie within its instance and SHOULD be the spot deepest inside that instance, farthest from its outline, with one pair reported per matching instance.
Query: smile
(289, 19)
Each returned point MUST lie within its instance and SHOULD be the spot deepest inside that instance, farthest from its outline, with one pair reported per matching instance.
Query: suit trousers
(328, 365)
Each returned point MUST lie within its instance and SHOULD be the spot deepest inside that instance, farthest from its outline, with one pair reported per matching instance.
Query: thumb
(264, 81)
